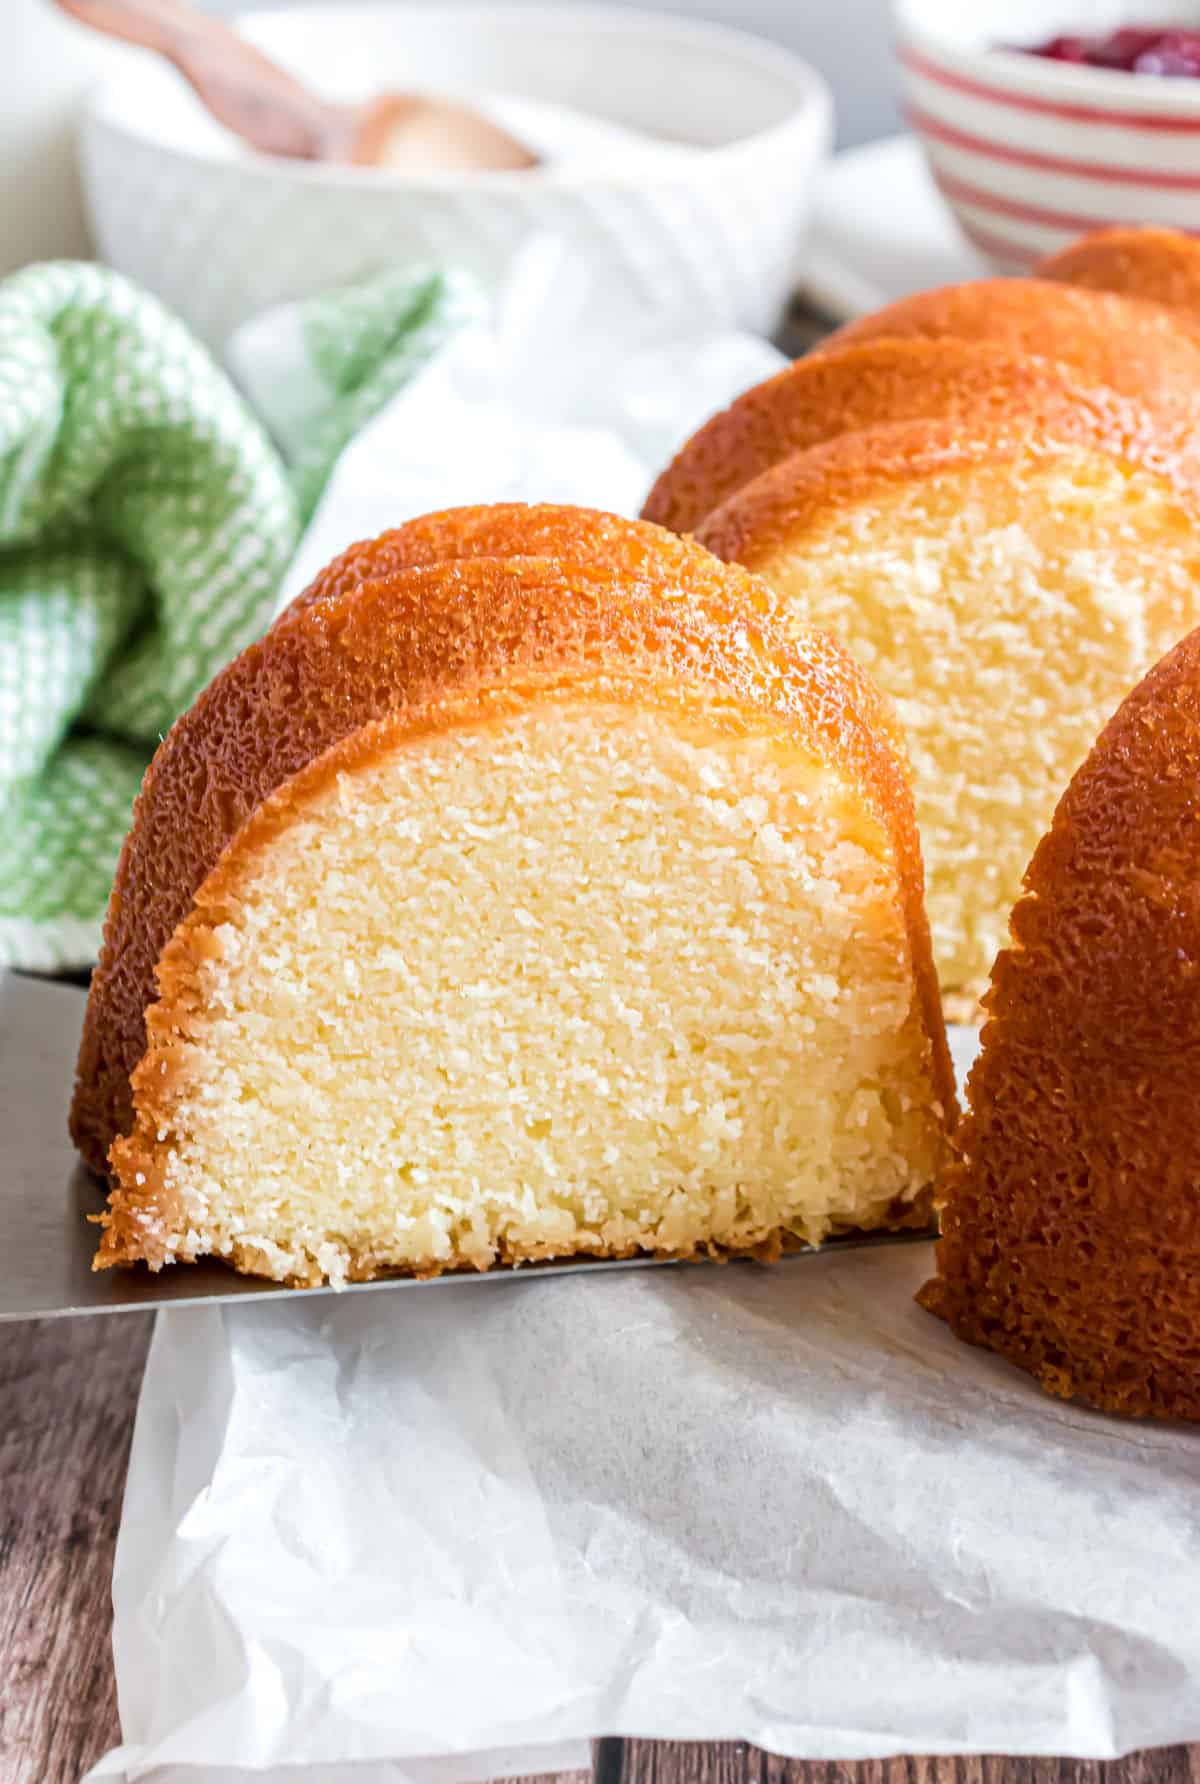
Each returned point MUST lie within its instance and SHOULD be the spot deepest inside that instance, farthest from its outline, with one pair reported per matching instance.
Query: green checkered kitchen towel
(145, 523)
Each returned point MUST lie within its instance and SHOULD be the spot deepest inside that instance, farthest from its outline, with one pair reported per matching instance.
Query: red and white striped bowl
(1030, 153)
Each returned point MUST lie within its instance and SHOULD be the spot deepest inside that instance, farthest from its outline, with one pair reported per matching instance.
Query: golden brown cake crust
(1141, 350)
(582, 536)
(800, 494)
(327, 669)
(830, 393)
(466, 641)
(1157, 265)
(1072, 1217)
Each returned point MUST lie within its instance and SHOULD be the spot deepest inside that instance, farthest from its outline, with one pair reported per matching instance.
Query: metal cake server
(46, 1194)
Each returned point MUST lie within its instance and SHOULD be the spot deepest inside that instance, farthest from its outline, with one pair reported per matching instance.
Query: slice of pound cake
(1160, 265)
(1071, 1226)
(1006, 578)
(1106, 339)
(871, 382)
(192, 804)
(529, 909)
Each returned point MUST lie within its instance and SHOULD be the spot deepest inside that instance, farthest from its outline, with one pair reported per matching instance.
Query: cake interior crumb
(1007, 608)
(581, 980)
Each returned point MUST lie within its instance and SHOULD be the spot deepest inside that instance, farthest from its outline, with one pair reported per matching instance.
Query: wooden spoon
(275, 113)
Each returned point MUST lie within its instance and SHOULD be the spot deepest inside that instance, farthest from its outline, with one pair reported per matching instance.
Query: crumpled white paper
(452, 1531)
(498, 1517)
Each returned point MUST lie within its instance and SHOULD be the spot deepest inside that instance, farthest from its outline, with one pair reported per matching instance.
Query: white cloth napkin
(545, 400)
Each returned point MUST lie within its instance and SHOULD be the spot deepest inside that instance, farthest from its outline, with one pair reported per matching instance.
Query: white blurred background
(848, 40)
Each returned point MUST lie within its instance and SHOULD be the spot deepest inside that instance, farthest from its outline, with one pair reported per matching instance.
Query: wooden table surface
(67, 1394)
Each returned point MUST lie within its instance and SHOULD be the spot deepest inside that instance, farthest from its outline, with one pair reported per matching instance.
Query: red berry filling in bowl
(1131, 50)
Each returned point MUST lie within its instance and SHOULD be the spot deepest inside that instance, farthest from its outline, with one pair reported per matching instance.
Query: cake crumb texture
(585, 978)
(310, 682)
(1006, 591)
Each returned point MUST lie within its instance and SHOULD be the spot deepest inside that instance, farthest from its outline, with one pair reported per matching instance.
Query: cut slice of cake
(837, 392)
(565, 917)
(1071, 1225)
(1158, 265)
(193, 801)
(1006, 582)
(1140, 350)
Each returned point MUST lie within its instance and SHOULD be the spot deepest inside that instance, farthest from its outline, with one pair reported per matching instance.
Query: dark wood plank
(734, 1762)
(68, 1389)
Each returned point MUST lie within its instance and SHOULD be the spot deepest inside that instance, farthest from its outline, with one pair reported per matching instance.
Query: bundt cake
(1140, 350)
(1071, 1225)
(858, 386)
(1006, 579)
(511, 908)
(1159, 265)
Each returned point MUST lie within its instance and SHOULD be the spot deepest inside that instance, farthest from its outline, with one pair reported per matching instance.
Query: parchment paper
(773, 1504)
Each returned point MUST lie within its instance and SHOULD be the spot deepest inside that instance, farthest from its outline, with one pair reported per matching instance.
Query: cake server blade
(46, 1194)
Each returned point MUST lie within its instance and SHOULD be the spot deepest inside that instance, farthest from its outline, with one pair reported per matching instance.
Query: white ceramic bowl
(702, 238)
(1030, 153)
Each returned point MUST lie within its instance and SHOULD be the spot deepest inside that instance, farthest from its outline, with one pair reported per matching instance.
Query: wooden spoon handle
(241, 87)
